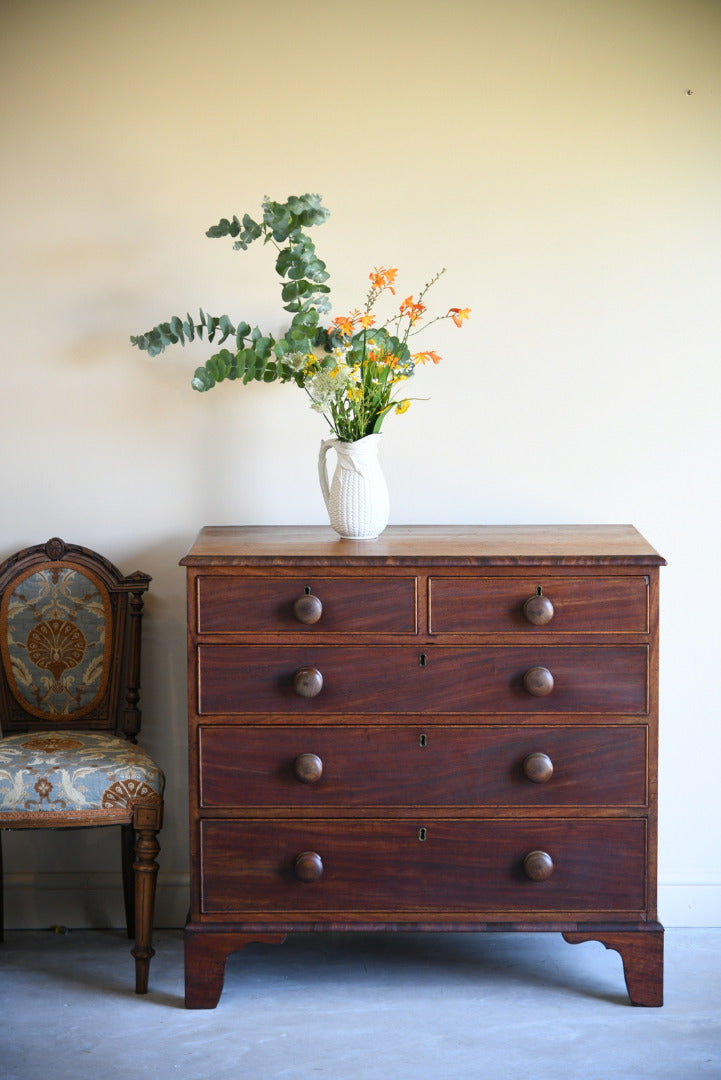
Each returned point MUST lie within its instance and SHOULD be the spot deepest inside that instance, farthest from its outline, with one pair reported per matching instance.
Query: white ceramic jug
(357, 497)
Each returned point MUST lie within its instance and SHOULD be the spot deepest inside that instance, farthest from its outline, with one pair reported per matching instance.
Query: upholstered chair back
(62, 631)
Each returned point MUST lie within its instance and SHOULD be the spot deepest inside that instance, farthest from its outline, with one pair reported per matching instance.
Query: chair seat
(79, 776)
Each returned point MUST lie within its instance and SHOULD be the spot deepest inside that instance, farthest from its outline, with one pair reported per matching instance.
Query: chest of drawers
(442, 729)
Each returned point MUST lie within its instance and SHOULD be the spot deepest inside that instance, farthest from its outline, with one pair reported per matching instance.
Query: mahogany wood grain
(205, 959)
(434, 766)
(252, 605)
(587, 605)
(391, 866)
(437, 679)
(464, 545)
(642, 957)
(422, 787)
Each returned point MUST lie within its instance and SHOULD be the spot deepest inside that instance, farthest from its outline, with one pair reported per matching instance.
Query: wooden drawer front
(368, 866)
(360, 605)
(468, 605)
(407, 766)
(238, 679)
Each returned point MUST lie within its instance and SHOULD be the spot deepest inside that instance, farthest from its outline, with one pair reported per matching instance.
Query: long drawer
(306, 767)
(439, 679)
(252, 868)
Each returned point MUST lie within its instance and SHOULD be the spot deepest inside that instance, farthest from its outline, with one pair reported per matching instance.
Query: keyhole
(422, 834)
(422, 659)
(423, 740)
(539, 590)
(306, 590)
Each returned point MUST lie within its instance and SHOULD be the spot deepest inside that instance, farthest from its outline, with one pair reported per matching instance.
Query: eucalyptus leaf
(202, 380)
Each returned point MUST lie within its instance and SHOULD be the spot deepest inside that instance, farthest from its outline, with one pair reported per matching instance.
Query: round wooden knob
(538, 768)
(538, 865)
(307, 682)
(308, 768)
(538, 681)
(308, 866)
(308, 609)
(538, 609)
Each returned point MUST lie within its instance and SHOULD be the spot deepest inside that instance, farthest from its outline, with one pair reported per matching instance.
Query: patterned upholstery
(57, 641)
(42, 773)
(70, 645)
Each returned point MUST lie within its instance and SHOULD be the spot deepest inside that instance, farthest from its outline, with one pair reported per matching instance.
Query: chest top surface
(461, 545)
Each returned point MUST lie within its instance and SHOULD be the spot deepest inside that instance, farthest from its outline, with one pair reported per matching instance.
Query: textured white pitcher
(357, 497)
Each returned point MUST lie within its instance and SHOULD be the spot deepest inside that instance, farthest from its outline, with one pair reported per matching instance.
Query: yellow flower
(403, 406)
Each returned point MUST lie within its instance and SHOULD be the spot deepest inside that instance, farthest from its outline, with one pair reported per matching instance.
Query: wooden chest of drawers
(442, 729)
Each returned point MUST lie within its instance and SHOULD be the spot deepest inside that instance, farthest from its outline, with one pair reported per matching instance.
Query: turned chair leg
(147, 824)
(127, 851)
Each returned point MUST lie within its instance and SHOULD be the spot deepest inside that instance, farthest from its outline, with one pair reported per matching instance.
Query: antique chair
(69, 644)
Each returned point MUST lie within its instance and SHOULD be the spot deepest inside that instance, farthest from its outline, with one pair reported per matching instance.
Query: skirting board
(84, 901)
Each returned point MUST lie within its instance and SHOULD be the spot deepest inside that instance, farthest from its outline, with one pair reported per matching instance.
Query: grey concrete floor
(380, 1007)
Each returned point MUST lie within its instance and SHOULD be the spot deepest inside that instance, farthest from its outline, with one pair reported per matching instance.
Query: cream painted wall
(546, 151)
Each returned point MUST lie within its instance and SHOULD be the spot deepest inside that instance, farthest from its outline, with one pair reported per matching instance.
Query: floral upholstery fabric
(56, 641)
(82, 773)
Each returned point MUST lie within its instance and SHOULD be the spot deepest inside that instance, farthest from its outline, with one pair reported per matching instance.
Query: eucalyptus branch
(303, 291)
(359, 379)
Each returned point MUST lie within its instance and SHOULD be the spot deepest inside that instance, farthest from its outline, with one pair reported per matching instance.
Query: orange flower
(367, 320)
(343, 324)
(383, 279)
(424, 357)
(413, 311)
(459, 314)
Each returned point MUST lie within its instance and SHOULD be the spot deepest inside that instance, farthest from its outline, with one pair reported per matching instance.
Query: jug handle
(325, 446)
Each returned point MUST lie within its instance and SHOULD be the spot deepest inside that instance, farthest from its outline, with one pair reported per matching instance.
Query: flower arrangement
(352, 370)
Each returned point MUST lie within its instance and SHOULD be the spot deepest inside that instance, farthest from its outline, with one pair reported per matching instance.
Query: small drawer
(322, 869)
(337, 680)
(229, 604)
(309, 768)
(555, 605)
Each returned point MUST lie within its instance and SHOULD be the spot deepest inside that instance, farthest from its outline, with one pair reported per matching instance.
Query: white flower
(328, 385)
(297, 360)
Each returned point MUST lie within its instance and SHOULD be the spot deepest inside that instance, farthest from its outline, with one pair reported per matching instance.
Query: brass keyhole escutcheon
(423, 741)
(422, 834)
